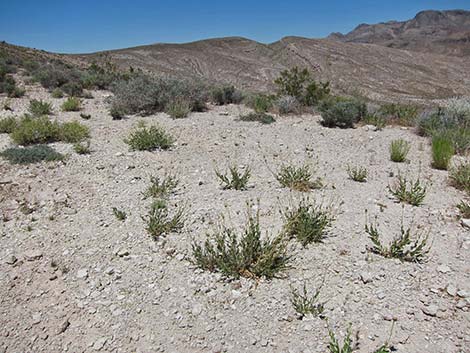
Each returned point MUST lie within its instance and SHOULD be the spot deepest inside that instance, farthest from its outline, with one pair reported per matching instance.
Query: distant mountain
(439, 32)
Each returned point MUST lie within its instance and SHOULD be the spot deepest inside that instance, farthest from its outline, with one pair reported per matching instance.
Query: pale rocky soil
(84, 281)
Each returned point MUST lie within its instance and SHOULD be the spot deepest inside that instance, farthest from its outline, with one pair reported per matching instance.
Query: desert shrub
(39, 107)
(145, 138)
(234, 179)
(39, 130)
(402, 114)
(459, 108)
(298, 178)
(262, 118)
(357, 173)
(8, 86)
(72, 89)
(408, 191)
(305, 302)
(161, 188)
(73, 132)
(7, 125)
(442, 151)
(460, 177)
(375, 119)
(82, 148)
(226, 95)
(178, 108)
(399, 150)
(57, 93)
(32, 154)
(159, 221)
(402, 247)
(341, 112)
(464, 208)
(117, 112)
(299, 84)
(287, 105)
(119, 214)
(72, 104)
(260, 103)
(307, 222)
(431, 121)
(244, 255)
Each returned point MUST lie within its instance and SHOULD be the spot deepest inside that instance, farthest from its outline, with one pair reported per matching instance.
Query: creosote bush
(357, 173)
(234, 179)
(305, 302)
(298, 178)
(161, 187)
(442, 151)
(399, 150)
(72, 104)
(31, 154)
(307, 222)
(341, 112)
(402, 247)
(245, 254)
(262, 118)
(145, 138)
(39, 107)
(408, 191)
(460, 177)
(159, 221)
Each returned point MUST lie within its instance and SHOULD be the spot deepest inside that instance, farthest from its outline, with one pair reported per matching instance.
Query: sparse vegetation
(341, 112)
(73, 132)
(72, 104)
(335, 346)
(161, 187)
(442, 151)
(460, 177)
(7, 125)
(287, 105)
(464, 208)
(82, 148)
(298, 178)
(39, 107)
(307, 222)
(408, 191)
(261, 103)
(244, 255)
(159, 221)
(57, 93)
(399, 150)
(357, 173)
(145, 138)
(39, 130)
(226, 95)
(306, 303)
(402, 247)
(262, 118)
(119, 214)
(400, 114)
(32, 154)
(235, 179)
(178, 109)
(375, 119)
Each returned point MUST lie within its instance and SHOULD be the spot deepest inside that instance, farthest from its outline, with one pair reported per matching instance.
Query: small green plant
(262, 118)
(244, 255)
(307, 222)
(401, 114)
(82, 148)
(335, 346)
(298, 178)
(145, 138)
(375, 119)
(402, 246)
(85, 116)
(57, 93)
(460, 177)
(120, 215)
(442, 151)
(39, 107)
(408, 191)
(357, 173)
(178, 108)
(159, 221)
(39, 130)
(117, 112)
(235, 180)
(306, 303)
(161, 187)
(7, 125)
(73, 132)
(72, 104)
(464, 208)
(399, 150)
(32, 154)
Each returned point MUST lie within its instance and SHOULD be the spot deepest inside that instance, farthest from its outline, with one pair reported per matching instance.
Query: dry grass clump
(259, 117)
(464, 208)
(39, 107)
(161, 187)
(408, 191)
(357, 173)
(160, 222)
(442, 151)
(399, 150)
(145, 138)
(72, 104)
(460, 177)
(244, 254)
(234, 179)
(298, 178)
(119, 214)
(178, 108)
(7, 125)
(305, 302)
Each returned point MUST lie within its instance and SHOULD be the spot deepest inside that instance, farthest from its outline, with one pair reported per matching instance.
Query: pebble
(10, 260)
(63, 326)
(443, 269)
(451, 290)
(465, 222)
(33, 255)
(463, 294)
(36, 318)
(99, 343)
(82, 273)
(196, 309)
(122, 252)
(430, 310)
(366, 277)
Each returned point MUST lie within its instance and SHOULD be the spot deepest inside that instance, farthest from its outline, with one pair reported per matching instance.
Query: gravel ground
(74, 278)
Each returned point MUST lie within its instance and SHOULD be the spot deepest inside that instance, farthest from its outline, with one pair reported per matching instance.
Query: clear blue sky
(91, 25)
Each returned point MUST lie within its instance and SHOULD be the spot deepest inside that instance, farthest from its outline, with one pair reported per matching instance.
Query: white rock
(82, 273)
(443, 269)
(465, 222)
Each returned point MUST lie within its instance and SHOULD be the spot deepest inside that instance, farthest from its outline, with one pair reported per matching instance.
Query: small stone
(33, 255)
(430, 310)
(36, 318)
(63, 326)
(82, 273)
(451, 290)
(196, 309)
(10, 260)
(461, 304)
(236, 294)
(465, 222)
(366, 277)
(99, 343)
(443, 269)
(109, 271)
(122, 252)
(463, 293)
